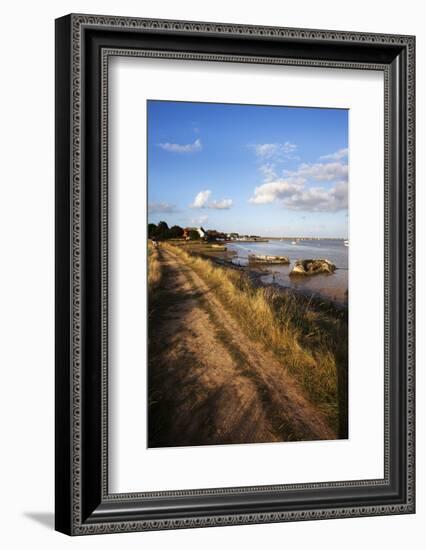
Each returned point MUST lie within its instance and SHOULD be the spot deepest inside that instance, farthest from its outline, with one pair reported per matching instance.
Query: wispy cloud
(161, 208)
(223, 204)
(338, 155)
(321, 171)
(268, 171)
(275, 151)
(182, 148)
(201, 220)
(273, 157)
(202, 200)
(195, 127)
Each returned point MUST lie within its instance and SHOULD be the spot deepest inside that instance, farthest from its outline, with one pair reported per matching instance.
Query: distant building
(213, 235)
(199, 230)
(233, 236)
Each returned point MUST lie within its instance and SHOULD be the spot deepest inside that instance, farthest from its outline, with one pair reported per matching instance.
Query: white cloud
(276, 190)
(319, 199)
(223, 204)
(276, 151)
(199, 221)
(294, 195)
(161, 208)
(202, 201)
(178, 148)
(338, 155)
(321, 171)
(292, 192)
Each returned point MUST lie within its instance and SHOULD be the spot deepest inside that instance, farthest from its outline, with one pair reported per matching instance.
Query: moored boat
(265, 258)
(312, 267)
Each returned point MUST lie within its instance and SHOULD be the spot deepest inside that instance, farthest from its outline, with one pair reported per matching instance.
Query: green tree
(152, 230)
(162, 230)
(194, 235)
(175, 232)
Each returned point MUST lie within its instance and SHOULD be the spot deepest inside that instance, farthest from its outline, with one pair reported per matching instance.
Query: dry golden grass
(154, 268)
(311, 344)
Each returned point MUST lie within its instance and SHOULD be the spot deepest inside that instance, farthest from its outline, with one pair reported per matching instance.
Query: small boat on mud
(346, 243)
(312, 267)
(267, 259)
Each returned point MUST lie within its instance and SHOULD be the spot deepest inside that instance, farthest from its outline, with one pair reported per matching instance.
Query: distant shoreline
(307, 238)
(267, 239)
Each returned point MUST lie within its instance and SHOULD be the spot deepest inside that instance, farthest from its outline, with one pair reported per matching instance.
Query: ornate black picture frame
(84, 44)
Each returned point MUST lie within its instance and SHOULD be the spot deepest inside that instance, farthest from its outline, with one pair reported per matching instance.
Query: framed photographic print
(234, 274)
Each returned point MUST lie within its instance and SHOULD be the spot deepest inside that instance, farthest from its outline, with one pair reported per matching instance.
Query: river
(333, 287)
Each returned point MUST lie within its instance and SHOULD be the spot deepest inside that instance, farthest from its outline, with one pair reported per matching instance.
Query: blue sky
(273, 171)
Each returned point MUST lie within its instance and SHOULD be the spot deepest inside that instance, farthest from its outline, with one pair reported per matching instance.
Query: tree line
(162, 231)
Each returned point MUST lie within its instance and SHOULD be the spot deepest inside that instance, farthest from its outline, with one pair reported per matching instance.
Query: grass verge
(154, 268)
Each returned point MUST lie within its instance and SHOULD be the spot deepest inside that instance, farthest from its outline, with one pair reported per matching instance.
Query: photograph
(247, 273)
(234, 305)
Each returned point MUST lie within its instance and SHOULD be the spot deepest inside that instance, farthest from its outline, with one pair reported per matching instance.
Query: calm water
(332, 286)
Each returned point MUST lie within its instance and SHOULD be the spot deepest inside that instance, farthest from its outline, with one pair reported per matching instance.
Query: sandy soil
(211, 384)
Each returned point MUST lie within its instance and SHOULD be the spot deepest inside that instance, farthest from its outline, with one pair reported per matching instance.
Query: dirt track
(208, 382)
